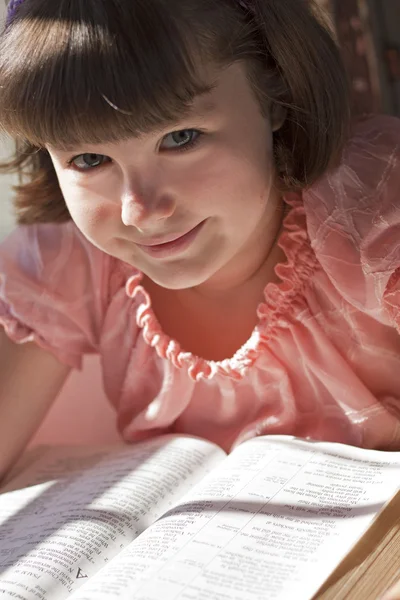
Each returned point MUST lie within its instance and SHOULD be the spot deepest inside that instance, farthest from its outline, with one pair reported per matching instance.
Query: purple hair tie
(12, 8)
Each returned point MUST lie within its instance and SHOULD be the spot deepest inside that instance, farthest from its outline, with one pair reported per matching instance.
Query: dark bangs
(89, 71)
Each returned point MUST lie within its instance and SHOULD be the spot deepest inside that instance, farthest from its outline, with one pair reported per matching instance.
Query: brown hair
(91, 71)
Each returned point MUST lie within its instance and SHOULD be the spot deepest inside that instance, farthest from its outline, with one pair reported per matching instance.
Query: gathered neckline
(281, 298)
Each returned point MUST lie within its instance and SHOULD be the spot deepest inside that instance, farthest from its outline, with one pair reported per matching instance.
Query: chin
(183, 282)
(181, 279)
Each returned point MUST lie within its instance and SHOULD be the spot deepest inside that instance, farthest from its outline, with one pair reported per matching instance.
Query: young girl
(196, 207)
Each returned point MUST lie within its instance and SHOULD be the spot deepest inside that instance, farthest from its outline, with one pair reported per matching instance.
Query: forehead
(228, 86)
(225, 90)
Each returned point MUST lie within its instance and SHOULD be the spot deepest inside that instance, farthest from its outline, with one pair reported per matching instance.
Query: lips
(170, 245)
(166, 239)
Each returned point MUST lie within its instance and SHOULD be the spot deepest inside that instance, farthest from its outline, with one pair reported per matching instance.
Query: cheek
(92, 217)
(245, 183)
(222, 178)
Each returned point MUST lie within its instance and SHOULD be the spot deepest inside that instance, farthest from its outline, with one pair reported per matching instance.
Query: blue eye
(85, 162)
(182, 140)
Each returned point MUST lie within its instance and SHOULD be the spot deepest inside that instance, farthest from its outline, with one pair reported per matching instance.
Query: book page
(56, 534)
(272, 521)
(46, 463)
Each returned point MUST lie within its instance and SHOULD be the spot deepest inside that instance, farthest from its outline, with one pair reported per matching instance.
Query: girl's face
(188, 205)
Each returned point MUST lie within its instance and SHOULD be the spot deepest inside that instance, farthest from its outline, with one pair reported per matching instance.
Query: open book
(175, 518)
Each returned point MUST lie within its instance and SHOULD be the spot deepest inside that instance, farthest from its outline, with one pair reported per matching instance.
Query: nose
(140, 207)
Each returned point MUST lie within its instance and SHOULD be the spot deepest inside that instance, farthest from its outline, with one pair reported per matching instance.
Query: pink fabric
(324, 359)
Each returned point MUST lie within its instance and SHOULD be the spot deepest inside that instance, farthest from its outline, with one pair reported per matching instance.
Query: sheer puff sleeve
(353, 217)
(52, 289)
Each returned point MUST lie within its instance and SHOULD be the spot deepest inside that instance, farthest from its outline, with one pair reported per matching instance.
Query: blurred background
(368, 32)
(369, 35)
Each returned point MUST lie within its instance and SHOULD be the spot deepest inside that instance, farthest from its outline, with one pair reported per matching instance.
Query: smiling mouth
(162, 241)
(172, 245)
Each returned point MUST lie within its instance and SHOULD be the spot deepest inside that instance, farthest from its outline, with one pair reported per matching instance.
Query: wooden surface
(374, 563)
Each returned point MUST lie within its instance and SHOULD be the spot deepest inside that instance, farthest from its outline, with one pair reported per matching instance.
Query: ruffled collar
(280, 302)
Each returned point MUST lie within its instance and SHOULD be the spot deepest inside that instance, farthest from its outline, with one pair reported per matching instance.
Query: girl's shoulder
(54, 257)
(54, 289)
(366, 180)
(42, 248)
(360, 199)
(353, 212)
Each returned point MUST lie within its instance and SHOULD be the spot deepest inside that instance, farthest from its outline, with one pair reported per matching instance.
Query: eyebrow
(204, 98)
(208, 107)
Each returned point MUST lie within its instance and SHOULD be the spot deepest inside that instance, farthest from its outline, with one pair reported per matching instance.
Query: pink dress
(323, 361)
